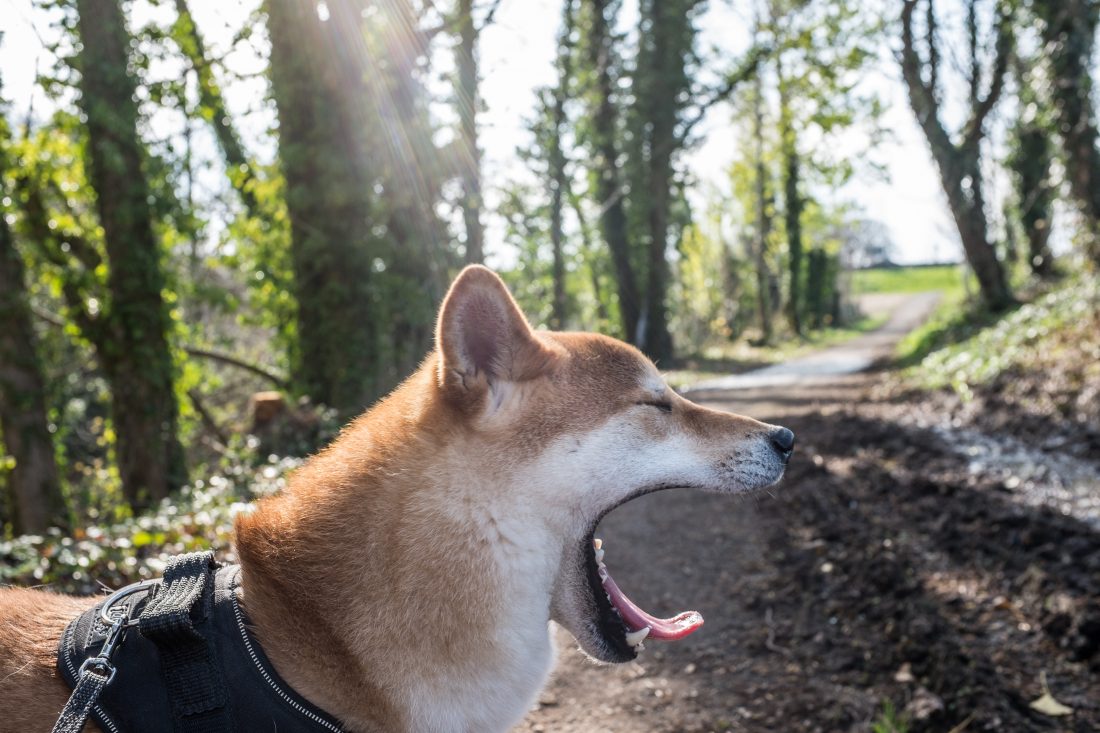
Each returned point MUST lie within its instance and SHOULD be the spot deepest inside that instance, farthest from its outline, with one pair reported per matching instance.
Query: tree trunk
(35, 487)
(467, 117)
(394, 105)
(792, 206)
(660, 87)
(1031, 162)
(134, 351)
(1069, 30)
(613, 224)
(960, 164)
(558, 182)
(763, 222)
(656, 341)
(332, 245)
(590, 256)
(815, 287)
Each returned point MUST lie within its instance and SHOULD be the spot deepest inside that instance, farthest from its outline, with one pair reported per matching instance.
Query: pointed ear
(483, 337)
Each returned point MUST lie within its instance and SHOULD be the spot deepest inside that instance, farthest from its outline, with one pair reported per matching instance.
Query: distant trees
(958, 158)
(34, 484)
(327, 255)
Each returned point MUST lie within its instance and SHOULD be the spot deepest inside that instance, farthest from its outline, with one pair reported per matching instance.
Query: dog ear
(482, 335)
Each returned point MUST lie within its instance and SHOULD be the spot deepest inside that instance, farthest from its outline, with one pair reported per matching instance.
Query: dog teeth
(602, 571)
(599, 557)
(635, 638)
(597, 543)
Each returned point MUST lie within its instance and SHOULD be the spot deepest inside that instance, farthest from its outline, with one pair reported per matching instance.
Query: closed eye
(662, 406)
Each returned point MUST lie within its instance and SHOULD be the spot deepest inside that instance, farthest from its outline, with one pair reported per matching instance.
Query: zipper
(270, 680)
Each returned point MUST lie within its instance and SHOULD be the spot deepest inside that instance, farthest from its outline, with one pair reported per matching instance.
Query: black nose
(783, 439)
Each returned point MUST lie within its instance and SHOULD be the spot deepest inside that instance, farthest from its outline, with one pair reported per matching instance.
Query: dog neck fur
(404, 540)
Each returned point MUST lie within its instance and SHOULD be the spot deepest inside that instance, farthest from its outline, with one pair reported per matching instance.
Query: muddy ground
(914, 554)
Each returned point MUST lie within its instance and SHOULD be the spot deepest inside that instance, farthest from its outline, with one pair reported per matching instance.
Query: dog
(405, 578)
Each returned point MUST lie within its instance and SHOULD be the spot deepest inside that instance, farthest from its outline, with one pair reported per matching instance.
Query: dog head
(574, 425)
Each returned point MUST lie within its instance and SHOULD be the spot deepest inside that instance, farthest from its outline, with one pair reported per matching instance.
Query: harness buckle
(101, 665)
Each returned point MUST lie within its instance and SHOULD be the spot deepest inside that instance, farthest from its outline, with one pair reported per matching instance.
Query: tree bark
(332, 246)
(792, 209)
(661, 87)
(1068, 31)
(467, 117)
(605, 164)
(393, 105)
(558, 182)
(134, 351)
(959, 163)
(763, 222)
(1030, 162)
(34, 483)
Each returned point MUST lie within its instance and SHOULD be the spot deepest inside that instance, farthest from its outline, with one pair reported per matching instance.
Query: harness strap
(188, 660)
(92, 680)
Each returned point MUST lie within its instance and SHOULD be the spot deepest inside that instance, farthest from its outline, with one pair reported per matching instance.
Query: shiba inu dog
(405, 579)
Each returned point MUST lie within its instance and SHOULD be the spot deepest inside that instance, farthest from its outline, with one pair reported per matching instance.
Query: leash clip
(117, 620)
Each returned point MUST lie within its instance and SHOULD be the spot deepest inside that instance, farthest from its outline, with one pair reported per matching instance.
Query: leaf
(1047, 705)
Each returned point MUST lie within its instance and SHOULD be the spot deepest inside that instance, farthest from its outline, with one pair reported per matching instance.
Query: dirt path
(888, 565)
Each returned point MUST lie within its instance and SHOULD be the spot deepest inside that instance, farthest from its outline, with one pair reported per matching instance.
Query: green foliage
(120, 550)
(948, 279)
(964, 349)
(890, 720)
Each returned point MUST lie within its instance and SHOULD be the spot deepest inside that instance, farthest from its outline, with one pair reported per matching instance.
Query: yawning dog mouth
(623, 624)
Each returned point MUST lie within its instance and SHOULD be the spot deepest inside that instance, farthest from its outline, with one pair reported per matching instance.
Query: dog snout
(783, 440)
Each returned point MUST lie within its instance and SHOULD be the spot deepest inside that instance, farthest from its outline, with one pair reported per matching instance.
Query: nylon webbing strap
(192, 675)
(88, 687)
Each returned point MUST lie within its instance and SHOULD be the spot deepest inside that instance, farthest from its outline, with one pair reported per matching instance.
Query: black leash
(194, 680)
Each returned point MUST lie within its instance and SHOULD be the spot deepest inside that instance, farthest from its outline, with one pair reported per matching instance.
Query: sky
(516, 57)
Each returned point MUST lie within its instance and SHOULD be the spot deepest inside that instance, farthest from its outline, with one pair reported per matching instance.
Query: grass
(890, 720)
(965, 346)
(947, 278)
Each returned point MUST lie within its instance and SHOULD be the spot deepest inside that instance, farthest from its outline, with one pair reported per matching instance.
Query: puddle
(1030, 475)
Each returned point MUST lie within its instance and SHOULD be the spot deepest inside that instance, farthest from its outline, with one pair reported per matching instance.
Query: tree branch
(921, 96)
(738, 76)
(259, 371)
(488, 19)
(207, 418)
(981, 108)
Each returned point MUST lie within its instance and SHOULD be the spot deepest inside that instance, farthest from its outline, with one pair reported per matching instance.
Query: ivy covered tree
(130, 330)
(1068, 30)
(34, 484)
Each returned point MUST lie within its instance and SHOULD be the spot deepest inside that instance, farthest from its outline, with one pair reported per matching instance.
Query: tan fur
(31, 691)
(374, 569)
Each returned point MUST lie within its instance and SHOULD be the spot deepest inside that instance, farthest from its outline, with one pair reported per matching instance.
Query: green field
(948, 278)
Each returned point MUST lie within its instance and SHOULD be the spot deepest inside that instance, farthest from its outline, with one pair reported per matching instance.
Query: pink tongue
(665, 629)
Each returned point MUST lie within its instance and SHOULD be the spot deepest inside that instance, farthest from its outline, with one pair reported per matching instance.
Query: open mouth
(623, 624)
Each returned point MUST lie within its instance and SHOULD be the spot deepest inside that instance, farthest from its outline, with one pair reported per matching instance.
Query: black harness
(176, 655)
